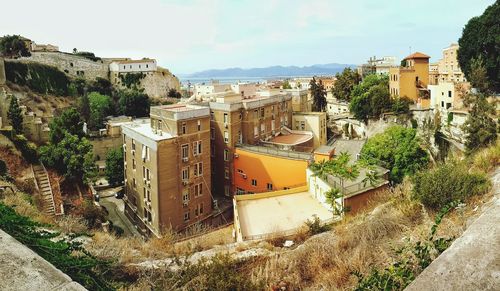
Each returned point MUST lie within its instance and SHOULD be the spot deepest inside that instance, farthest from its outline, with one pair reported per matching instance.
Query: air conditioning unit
(244, 176)
(133, 152)
(215, 204)
(144, 180)
(236, 155)
(185, 182)
(148, 183)
(225, 125)
(185, 159)
(185, 203)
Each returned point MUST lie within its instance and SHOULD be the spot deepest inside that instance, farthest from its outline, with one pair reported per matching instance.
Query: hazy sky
(193, 35)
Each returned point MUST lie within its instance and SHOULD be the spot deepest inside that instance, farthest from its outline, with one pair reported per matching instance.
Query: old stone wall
(73, 65)
(155, 84)
(101, 145)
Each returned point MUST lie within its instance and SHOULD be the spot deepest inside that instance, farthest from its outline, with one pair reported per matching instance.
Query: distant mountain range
(273, 71)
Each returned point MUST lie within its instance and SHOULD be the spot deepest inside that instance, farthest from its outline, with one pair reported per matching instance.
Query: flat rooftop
(143, 128)
(286, 213)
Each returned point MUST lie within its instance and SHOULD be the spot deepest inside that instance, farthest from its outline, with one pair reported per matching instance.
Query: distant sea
(227, 80)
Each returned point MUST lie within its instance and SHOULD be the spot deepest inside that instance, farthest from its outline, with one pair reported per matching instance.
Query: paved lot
(278, 214)
(116, 208)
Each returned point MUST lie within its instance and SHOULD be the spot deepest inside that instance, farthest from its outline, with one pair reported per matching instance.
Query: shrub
(38, 77)
(93, 215)
(315, 226)
(446, 183)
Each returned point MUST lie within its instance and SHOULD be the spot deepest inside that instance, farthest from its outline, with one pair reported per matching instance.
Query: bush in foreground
(448, 182)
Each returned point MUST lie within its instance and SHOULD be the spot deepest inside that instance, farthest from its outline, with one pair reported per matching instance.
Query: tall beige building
(314, 122)
(447, 69)
(167, 168)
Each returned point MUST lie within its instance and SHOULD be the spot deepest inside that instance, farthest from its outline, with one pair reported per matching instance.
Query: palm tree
(331, 198)
(372, 177)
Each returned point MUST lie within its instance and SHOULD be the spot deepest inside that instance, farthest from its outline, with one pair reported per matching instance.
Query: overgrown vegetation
(15, 115)
(131, 80)
(371, 97)
(38, 77)
(318, 94)
(65, 254)
(14, 46)
(448, 182)
(397, 149)
(114, 166)
(133, 103)
(345, 84)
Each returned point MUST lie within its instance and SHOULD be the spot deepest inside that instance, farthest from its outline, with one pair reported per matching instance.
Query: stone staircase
(43, 185)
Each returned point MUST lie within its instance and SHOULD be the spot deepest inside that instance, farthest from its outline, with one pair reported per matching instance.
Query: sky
(187, 36)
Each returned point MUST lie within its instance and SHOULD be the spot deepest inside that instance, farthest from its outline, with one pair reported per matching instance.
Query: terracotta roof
(417, 55)
(134, 61)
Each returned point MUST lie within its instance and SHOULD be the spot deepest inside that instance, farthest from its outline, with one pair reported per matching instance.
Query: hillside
(273, 71)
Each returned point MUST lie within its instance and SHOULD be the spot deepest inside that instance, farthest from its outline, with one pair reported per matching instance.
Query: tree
(286, 85)
(15, 115)
(345, 84)
(173, 93)
(401, 105)
(318, 93)
(84, 107)
(69, 121)
(397, 149)
(480, 40)
(100, 107)
(371, 97)
(480, 128)
(71, 157)
(13, 46)
(133, 103)
(114, 166)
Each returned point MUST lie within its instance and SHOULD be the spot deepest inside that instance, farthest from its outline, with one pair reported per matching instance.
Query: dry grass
(487, 159)
(358, 243)
(24, 205)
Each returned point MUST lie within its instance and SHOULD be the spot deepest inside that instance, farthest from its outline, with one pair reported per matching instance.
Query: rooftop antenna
(410, 49)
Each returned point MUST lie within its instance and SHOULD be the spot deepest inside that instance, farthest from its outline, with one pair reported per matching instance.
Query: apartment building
(447, 68)
(411, 80)
(314, 122)
(167, 168)
(237, 120)
(301, 102)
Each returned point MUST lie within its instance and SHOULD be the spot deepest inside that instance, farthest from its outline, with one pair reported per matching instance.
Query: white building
(335, 107)
(133, 66)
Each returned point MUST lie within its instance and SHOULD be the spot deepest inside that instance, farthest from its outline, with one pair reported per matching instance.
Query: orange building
(411, 80)
(262, 169)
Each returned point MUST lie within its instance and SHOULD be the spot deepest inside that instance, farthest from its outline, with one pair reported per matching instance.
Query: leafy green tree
(345, 84)
(397, 149)
(133, 103)
(173, 93)
(84, 107)
(13, 46)
(100, 107)
(371, 97)
(71, 157)
(318, 93)
(401, 105)
(480, 40)
(15, 115)
(69, 121)
(286, 85)
(480, 127)
(114, 166)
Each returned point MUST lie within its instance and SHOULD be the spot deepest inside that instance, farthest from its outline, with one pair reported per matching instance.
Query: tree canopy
(15, 115)
(397, 149)
(371, 97)
(318, 93)
(69, 121)
(114, 166)
(133, 103)
(345, 84)
(13, 46)
(286, 85)
(173, 93)
(480, 39)
(100, 107)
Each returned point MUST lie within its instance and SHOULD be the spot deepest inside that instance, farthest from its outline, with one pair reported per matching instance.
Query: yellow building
(447, 69)
(314, 122)
(411, 80)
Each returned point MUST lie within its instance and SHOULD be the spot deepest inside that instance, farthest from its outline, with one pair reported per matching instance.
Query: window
(240, 116)
(262, 112)
(225, 118)
(133, 164)
(226, 173)
(198, 190)
(226, 137)
(212, 115)
(255, 131)
(133, 146)
(227, 190)
(449, 93)
(240, 191)
(184, 129)
(254, 182)
(240, 137)
(185, 174)
(185, 197)
(269, 186)
(226, 155)
(262, 128)
(256, 114)
(134, 183)
(147, 66)
(186, 216)
(198, 169)
(212, 133)
(197, 148)
(185, 151)
(199, 125)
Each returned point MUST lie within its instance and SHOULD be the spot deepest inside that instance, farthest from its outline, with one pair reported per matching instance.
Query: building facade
(447, 68)
(314, 122)
(411, 80)
(167, 169)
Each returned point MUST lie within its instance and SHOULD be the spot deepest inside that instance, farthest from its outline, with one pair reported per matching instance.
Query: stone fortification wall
(73, 65)
(2, 72)
(155, 84)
